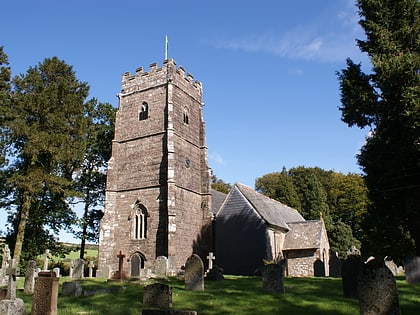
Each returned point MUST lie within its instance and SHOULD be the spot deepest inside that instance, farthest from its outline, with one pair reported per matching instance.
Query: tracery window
(140, 223)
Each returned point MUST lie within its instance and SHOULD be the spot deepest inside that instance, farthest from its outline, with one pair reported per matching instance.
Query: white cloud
(216, 158)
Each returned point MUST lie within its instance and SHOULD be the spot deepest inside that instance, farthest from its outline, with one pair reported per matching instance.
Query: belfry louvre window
(186, 118)
(140, 223)
(144, 111)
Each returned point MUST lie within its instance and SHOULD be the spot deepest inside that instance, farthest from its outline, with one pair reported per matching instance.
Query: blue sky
(267, 68)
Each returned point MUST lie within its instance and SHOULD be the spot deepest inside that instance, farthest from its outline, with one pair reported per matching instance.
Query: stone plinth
(45, 296)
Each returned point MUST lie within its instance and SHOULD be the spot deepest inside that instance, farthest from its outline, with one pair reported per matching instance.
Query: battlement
(169, 72)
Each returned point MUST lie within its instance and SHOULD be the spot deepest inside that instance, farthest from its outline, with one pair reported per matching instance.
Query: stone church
(158, 199)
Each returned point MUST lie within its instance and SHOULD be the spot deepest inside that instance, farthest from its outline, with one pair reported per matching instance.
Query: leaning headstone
(44, 300)
(79, 268)
(72, 288)
(30, 274)
(11, 305)
(349, 272)
(157, 295)
(335, 265)
(377, 290)
(161, 266)
(272, 277)
(412, 269)
(194, 274)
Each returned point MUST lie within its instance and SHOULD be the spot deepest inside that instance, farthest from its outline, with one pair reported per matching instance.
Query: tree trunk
(20, 235)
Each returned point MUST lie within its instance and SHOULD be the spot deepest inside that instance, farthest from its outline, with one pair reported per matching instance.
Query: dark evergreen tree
(386, 101)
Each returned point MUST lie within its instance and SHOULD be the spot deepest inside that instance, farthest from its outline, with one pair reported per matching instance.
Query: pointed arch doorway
(136, 264)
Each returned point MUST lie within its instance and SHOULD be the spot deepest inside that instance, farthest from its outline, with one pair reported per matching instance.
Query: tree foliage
(341, 200)
(387, 101)
(42, 132)
(91, 179)
(220, 185)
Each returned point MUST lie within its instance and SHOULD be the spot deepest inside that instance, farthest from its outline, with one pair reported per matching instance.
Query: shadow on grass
(233, 295)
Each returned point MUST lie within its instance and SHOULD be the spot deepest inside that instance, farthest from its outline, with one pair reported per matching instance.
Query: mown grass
(233, 295)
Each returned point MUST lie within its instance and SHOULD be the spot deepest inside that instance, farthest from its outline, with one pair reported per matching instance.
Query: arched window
(186, 118)
(140, 223)
(144, 111)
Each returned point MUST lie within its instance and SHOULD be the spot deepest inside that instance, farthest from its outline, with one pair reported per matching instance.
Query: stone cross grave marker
(121, 257)
(161, 266)
(47, 256)
(377, 289)
(194, 274)
(79, 268)
(91, 265)
(272, 277)
(6, 257)
(11, 286)
(30, 275)
(211, 257)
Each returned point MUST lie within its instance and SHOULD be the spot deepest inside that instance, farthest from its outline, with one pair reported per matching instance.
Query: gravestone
(72, 288)
(79, 268)
(91, 265)
(4, 265)
(335, 266)
(56, 270)
(171, 266)
(11, 305)
(47, 256)
(194, 273)
(157, 295)
(71, 268)
(377, 290)
(30, 275)
(412, 269)
(349, 271)
(44, 300)
(210, 258)
(272, 278)
(161, 266)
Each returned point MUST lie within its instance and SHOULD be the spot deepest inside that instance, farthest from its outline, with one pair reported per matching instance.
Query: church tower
(157, 199)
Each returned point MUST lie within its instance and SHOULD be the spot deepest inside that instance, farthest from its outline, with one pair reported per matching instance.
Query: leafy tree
(42, 129)
(220, 185)
(91, 179)
(279, 186)
(386, 101)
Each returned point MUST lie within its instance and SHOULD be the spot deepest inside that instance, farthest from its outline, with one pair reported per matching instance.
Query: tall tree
(43, 132)
(219, 185)
(91, 179)
(387, 101)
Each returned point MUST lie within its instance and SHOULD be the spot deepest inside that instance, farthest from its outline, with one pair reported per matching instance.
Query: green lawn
(233, 295)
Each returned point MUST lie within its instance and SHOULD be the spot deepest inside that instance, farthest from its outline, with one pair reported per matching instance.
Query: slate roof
(303, 235)
(217, 199)
(272, 211)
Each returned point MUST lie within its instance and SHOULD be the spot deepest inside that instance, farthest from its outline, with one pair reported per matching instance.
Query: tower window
(186, 119)
(140, 223)
(144, 111)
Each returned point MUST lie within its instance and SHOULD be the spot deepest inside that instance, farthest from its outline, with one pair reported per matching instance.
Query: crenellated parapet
(168, 73)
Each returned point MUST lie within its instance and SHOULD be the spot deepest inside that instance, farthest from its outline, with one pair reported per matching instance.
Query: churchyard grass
(233, 295)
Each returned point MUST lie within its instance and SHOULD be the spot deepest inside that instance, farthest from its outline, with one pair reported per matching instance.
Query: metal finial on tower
(166, 47)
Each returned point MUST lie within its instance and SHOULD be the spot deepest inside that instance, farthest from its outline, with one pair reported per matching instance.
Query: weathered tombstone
(167, 312)
(91, 265)
(349, 272)
(334, 265)
(272, 277)
(30, 275)
(72, 288)
(11, 305)
(161, 266)
(412, 269)
(194, 273)
(157, 295)
(46, 259)
(44, 300)
(4, 265)
(79, 268)
(377, 290)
